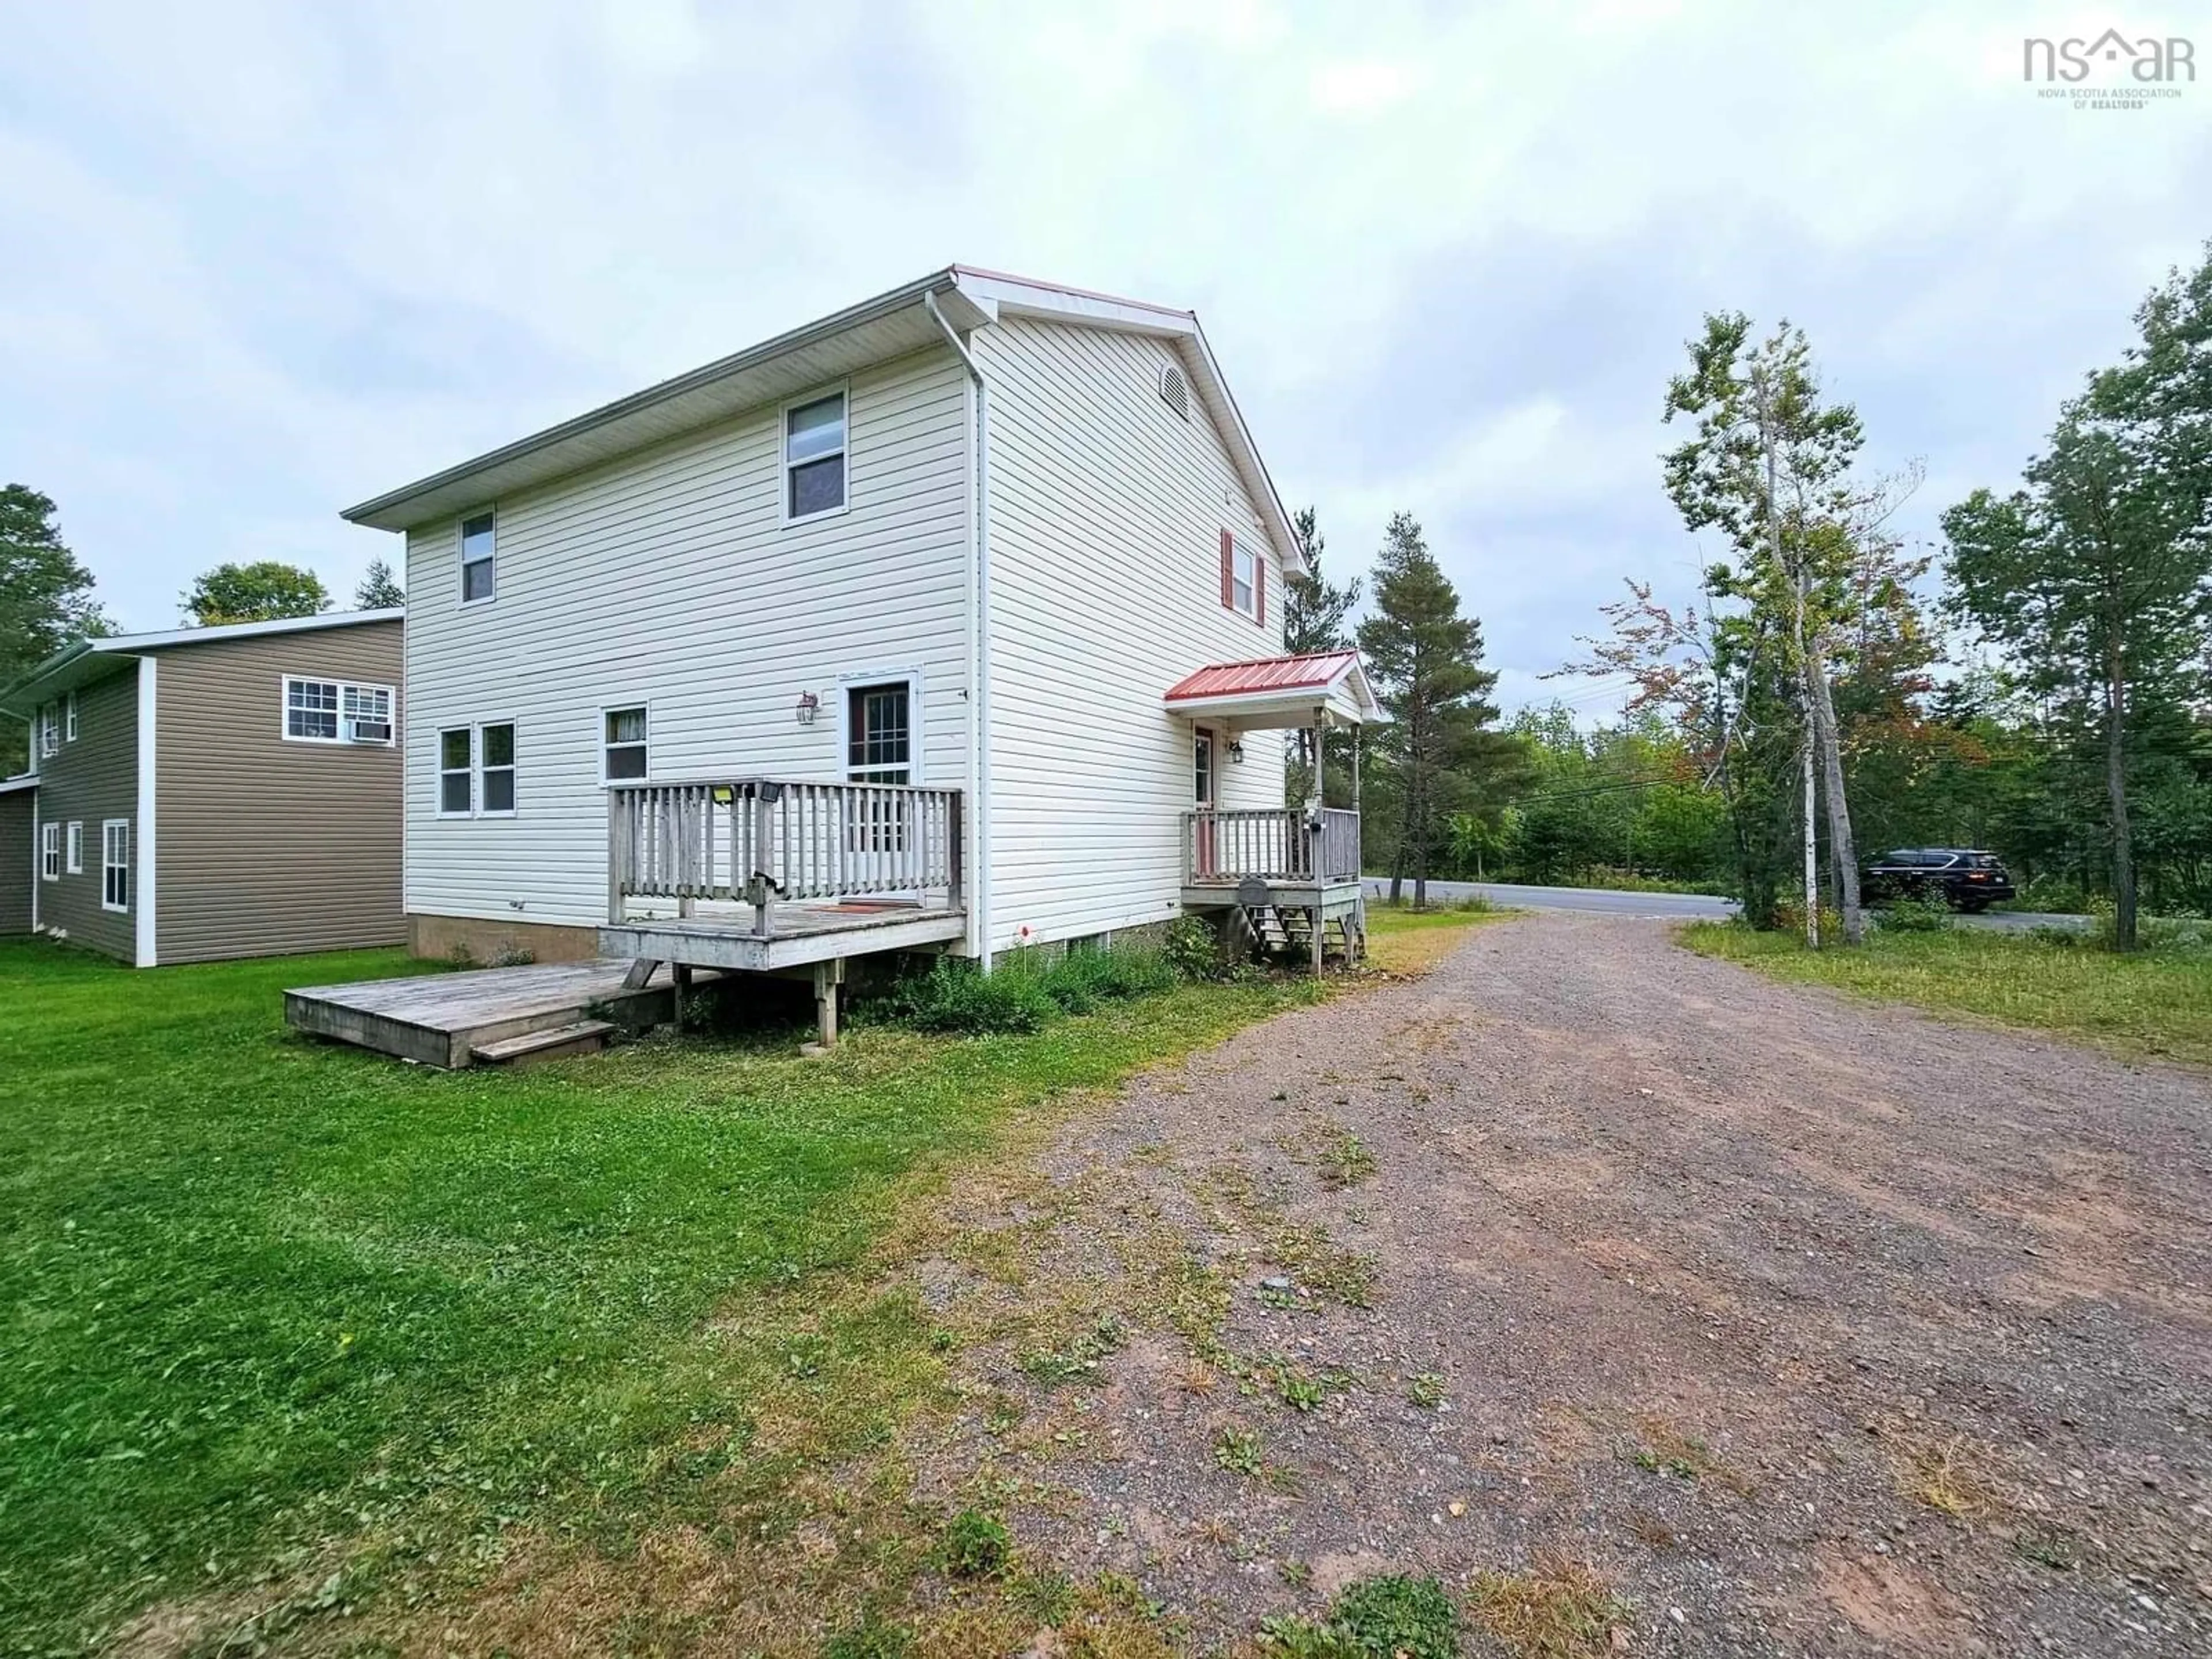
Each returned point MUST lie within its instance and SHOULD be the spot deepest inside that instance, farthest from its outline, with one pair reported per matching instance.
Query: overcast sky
(264, 260)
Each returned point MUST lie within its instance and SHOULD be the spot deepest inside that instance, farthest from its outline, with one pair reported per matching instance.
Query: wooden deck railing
(760, 840)
(1280, 844)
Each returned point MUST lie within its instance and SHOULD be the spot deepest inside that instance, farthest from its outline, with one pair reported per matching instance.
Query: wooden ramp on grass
(493, 1015)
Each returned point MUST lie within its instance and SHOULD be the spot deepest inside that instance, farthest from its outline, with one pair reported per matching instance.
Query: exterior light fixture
(809, 705)
(1237, 752)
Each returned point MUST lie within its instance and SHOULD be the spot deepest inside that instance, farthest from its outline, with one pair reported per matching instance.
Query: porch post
(1321, 734)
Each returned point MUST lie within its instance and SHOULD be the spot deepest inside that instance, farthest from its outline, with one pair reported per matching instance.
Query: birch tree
(1770, 466)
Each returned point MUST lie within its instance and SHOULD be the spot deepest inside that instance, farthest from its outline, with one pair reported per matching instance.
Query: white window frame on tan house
(115, 865)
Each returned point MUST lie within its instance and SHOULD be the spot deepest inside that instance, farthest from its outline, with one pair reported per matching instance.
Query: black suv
(1966, 879)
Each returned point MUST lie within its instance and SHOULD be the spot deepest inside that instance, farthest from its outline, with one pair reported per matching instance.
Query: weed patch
(1558, 1609)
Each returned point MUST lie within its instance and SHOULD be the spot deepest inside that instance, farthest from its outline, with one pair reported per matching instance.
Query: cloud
(284, 257)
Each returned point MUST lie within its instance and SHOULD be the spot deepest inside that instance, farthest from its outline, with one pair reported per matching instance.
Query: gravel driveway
(1814, 1327)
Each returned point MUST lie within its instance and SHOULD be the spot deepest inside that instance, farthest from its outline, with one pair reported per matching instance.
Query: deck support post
(679, 993)
(828, 976)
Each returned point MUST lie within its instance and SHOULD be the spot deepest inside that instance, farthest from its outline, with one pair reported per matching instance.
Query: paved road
(1665, 907)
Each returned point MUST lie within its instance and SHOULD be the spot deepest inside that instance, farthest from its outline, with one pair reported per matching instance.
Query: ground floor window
(77, 849)
(496, 792)
(629, 735)
(49, 852)
(115, 865)
(456, 772)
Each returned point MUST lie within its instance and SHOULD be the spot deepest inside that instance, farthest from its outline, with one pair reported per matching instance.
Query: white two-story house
(942, 622)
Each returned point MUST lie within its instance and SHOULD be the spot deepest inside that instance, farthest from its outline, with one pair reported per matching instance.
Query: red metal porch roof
(1228, 679)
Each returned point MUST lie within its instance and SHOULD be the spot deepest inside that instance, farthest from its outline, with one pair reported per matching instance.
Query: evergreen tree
(1425, 658)
(260, 591)
(379, 590)
(1314, 610)
(45, 600)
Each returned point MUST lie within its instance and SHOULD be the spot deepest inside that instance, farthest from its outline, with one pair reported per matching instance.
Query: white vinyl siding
(1107, 511)
(670, 579)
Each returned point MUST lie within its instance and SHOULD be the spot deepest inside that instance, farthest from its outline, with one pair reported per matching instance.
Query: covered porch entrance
(1286, 877)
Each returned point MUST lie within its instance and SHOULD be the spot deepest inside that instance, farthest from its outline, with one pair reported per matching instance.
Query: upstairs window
(628, 732)
(336, 711)
(49, 731)
(814, 457)
(1243, 580)
(366, 713)
(311, 710)
(69, 718)
(115, 865)
(479, 566)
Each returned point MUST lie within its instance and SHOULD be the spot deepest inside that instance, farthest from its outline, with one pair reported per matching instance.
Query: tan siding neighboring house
(19, 808)
(232, 838)
(94, 782)
(267, 846)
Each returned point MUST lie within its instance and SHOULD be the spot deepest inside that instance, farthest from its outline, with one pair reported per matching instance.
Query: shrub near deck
(268, 1297)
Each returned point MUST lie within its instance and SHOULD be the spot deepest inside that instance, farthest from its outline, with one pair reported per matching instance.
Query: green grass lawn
(2156, 1003)
(1405, 940)
(274, 1309)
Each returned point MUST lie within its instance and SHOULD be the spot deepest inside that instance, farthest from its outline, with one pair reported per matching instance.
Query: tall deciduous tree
(261, 591)
(1770, 467)
(1426, 659)
(379, 590)
(46, 598)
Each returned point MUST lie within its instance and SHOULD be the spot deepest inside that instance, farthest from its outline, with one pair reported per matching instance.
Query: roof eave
(390, 511)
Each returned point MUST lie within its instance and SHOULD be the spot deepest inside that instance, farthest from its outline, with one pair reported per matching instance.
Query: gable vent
(1175, 390)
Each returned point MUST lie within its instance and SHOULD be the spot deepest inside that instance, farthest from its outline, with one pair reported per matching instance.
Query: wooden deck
(443, 1019)
(800, 934)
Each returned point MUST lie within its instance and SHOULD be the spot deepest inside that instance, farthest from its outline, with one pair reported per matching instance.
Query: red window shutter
(1227, 571)
(1259, 590)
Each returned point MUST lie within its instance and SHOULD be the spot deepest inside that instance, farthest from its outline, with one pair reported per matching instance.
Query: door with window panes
(879, 749)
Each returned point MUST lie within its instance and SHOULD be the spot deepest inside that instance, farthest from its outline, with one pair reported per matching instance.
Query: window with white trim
(496, 777)
(49, 731)
(628, 734)
(456, 772)
(49, 852)
(115, 865)
(1243, 580)
(77, 849)
(69, 718)
(814, 457)
(479, 560)
(336, 711)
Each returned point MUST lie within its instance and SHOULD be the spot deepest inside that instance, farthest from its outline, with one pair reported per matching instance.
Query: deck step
(583, 1036)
